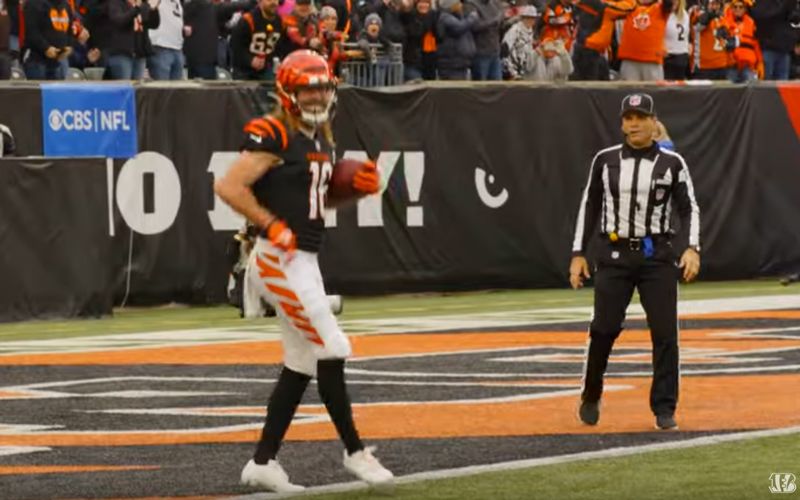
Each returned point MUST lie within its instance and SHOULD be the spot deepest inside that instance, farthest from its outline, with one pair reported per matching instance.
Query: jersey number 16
(320, 175)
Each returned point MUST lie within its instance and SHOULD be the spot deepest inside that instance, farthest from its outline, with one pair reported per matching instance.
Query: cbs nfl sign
(89, 120)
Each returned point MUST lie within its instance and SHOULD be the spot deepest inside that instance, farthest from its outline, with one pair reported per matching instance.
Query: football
(340, 187)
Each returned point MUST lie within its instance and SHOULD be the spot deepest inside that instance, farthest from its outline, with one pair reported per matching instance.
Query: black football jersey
(294, 190)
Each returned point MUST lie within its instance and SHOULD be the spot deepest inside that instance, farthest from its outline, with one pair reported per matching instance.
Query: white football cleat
(270, 476)
(366, 467)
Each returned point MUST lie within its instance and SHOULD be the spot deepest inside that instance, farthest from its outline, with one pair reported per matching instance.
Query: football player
(279, 183)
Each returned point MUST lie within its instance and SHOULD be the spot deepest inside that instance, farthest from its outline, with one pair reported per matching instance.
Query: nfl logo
(636, 100)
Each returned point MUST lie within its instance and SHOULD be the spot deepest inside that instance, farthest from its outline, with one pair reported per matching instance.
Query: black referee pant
(621, 268)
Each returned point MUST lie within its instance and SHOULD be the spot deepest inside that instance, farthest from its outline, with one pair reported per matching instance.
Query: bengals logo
(642, 21)
(60, 19)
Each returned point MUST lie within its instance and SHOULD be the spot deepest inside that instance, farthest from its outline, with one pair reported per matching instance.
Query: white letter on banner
(370, 208)
(223, 218)
(166, 193)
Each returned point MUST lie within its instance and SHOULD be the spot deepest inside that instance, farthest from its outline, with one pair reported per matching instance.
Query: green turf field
(717, 472)
(180, 317)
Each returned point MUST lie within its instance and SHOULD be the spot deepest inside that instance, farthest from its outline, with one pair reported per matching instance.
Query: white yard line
(537, 462)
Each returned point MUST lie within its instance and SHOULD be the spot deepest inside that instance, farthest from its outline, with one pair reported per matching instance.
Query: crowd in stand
(639, 40)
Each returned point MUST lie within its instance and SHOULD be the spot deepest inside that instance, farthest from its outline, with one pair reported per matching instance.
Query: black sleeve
(590, 206)
(240, 45)
(34, 37)
(226, 10)
(152, 20)
(119, 16)
(190, 10)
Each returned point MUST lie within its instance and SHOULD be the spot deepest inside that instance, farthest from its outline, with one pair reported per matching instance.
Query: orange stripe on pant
(267, 271)
(283, 292)
(294, 312)
(301, 322)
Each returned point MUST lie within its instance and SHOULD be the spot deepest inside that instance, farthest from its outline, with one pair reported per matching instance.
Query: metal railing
(379, 66)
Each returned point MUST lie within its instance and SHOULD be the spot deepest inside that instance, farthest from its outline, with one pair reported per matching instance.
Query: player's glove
(367, 180)
(281, 236)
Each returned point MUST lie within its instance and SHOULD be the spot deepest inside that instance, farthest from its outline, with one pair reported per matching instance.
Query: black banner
(483, 183)
(54, 234)
(534, 145)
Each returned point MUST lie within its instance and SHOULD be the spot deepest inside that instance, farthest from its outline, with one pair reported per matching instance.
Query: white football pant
(292, 284)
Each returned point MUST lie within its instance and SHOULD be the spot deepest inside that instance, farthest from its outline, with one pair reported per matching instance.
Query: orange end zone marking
(269, 352)
(746, 315)
(9, 470)
(707, 404)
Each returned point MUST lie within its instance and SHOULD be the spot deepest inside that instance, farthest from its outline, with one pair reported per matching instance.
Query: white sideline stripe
(536, 462)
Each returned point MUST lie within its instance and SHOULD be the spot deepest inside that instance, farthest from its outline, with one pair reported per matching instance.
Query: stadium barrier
(483, 184)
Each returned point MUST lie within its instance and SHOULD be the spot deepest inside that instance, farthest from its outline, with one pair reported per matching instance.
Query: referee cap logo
(641, 103)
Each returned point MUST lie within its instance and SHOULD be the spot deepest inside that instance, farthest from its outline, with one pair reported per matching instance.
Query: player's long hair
(679, 9)
(293, 123)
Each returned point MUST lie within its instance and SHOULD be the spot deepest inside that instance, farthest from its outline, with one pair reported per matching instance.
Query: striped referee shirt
(633, 191)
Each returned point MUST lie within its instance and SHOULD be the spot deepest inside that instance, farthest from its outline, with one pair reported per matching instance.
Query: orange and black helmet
(305, 69)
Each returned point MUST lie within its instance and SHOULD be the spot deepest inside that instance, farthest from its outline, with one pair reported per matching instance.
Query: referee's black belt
(636, 244)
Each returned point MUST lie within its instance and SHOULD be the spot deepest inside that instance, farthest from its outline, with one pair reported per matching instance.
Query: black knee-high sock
(332, 390)
(282, 404)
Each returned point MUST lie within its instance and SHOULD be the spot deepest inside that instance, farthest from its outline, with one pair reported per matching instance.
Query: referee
(632, 189)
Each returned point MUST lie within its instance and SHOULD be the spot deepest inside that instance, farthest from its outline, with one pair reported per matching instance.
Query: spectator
(456, 46)
(776, 37)
(203, 19)
(511, 10)
(99, 24)
(676, 41)
(142, 47)
(641, 48)
(747, 59)
(553, 62)
(419, 36)
(370, 40)
(595, 29)
(127, 19)
(254, 42)
(5, 37)
(429, 43)
(393, 13)
(166, 63)
(47, 38)
(712, 44)
(79, 39)
(558, 22)
(344, 14)
(486, 64)
(332, 40)
(518, 45)
(13, 11)
(301, 27)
